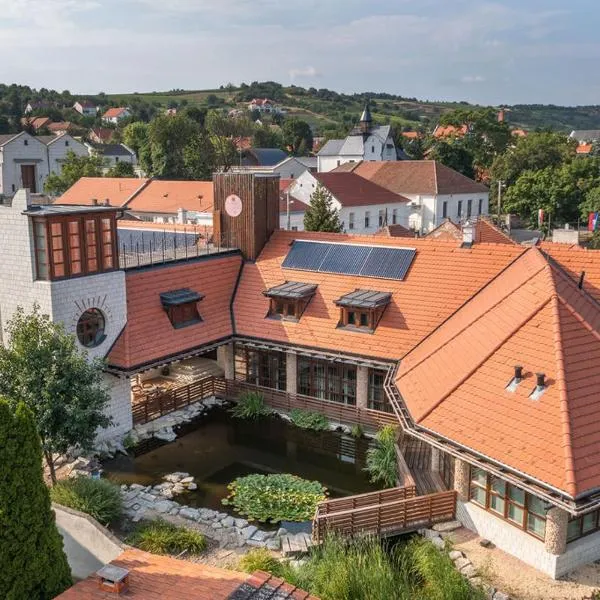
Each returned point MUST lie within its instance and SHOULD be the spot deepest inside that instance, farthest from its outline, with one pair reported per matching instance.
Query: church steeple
(366, 120)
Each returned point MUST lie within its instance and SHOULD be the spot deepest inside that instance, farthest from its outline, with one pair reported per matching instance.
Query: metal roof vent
(540, 386)
(516, 380)
(113, 579)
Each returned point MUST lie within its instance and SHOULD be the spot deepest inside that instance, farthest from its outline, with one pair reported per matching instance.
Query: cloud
(304, 72)
(472, 79)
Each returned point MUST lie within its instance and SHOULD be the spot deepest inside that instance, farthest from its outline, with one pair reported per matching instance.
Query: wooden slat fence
(388, 518)
(336, 411)
(367, 499)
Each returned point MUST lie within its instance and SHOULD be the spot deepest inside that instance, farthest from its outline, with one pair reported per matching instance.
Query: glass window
(364, 319)
(367, 219)
(41, 249)
(381, 218)
(478, 495)
(573, 530)
(589, 522)
(536, 525)
(394, 216)
(444, 209)
(322, 379)
(469, 207)
(266, 368)
(479, 476)
(184, 315)
(74, 247)
(376, 398)
(459, 209)
(480, 210)
(107, 244)
(351, 221)
(515, 513)
(90, 328)
(90, 245)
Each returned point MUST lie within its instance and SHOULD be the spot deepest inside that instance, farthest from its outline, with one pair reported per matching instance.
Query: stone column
(435, 459)
(291, 372)
(362, 387)
(225, 360)
(462, 479)
(557, 521)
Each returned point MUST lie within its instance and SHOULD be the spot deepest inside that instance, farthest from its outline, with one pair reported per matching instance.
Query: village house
(85, 108)
(34, 124)
(367, 141)
(115, 115)
(436, 192)
(23, 163)
(450, 131)
(363, 206)
(263, 105)
(287, 167)
(484, 354)
(59, 146)
(100, 135)
(112, 154)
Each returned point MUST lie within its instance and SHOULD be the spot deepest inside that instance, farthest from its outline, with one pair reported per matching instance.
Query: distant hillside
(326, 109)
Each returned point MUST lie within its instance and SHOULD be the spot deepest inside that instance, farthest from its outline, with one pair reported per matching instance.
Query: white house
(85, 108)
(114, 115)
(364, 206)
(365, 142)
(262, 105)
(58, 147)
(435, 192)
(112, 154)
(290, 167)
(23, 163)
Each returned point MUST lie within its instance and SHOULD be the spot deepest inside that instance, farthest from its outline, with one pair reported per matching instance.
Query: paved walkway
(81, 560)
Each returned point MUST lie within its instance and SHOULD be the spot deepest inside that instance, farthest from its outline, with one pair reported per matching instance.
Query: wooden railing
(367, 499)
(387, 518)
(153, 406)
(336, 411)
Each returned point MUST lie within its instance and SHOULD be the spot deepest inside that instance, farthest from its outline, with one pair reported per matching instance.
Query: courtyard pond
(218, 449)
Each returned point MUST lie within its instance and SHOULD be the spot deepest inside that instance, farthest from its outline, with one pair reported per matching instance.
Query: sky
(502, 52)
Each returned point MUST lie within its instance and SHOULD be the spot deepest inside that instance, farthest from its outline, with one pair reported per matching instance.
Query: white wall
(296, 221)
(58, 150)
(402, 217)
(16, 153)
(452, 201)
(119, 407)
(328, 163)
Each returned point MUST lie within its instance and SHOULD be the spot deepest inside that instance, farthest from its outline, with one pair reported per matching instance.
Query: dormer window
(361, 310)
(289, 300)
(181, 307)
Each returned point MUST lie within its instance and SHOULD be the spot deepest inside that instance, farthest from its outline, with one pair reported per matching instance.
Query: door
(28, 177)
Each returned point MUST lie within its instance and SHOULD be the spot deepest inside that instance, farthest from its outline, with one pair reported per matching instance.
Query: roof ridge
(136, 193)
(485, 357)
(565, 416)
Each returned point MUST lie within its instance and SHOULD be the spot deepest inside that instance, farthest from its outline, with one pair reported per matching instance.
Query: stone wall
(119, 407)
(580, 552)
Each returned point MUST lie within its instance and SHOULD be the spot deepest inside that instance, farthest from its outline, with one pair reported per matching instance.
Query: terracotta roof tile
(442, 277)
(485, 232)
(415, 177)
(117, 189)
(149, 335)
(450, 131)
(165, 196)
(351, 190)
(113, 112)
(395, 231)
(532, 314)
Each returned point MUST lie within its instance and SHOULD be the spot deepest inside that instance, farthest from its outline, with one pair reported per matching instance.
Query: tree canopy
(297, 136)
(33, 564)
(74, 167)
(42, 367)
(321, 215)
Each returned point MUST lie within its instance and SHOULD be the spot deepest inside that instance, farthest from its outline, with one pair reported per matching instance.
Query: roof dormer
(289, 300)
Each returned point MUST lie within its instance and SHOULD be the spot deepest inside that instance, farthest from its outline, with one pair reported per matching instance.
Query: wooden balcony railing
(387, 518)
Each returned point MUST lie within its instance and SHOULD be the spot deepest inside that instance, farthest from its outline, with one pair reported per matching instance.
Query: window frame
(367, 219)
(581, 520)
(480, 207)
(351, 220)
(376, 397)
(459, 209)
(326, 380)
(509, 501)
(445, 209)
(184, 314)
(263, 368)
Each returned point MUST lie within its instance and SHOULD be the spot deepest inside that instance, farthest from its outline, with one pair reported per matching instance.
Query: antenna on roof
(581, 277)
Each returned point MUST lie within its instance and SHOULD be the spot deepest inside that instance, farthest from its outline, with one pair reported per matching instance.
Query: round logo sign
(233, 205)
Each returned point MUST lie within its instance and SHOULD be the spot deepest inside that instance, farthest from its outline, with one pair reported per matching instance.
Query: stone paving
(152, 502)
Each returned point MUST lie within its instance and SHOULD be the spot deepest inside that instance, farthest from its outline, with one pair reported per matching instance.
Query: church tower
(366, 120)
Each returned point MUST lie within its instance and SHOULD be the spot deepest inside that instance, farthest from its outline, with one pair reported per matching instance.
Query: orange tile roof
(411, 135)
(295, 204)
(117, 189)
(284, 184)
(349, 189)
(162, 578)
(104, 134)
(163, 196)
(584, 148)
(414, 177)
(534, 315)
(113, 112)
(485, 232)
(441, 278)
(395, 231)
(36, 122)
(449, 131)
(149, 335)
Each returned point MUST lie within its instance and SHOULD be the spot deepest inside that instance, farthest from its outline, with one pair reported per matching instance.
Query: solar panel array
(350, 259)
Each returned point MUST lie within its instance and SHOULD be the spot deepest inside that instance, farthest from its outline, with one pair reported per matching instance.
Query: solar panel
(388, 263)
(345, 259)
(306, 256)
(350, 259)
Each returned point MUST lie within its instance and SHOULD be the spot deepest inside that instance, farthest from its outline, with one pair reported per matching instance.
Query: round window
(90, 328)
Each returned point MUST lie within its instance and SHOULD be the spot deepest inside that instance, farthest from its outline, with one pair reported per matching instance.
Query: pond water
(219, 448)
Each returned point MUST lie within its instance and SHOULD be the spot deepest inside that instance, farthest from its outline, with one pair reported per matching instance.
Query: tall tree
(121, 169)
(33, 564)
(297, 136)
(454, 154)
(223, 130)
(135, 135)
(42, 367)
(74, 168)
(321, 215)
(199, 157)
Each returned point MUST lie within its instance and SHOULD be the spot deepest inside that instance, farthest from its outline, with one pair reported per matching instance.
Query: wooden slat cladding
(250, 230)
(388, 518)
(368, 499)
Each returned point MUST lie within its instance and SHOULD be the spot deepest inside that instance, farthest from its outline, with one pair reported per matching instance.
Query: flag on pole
(540, 217)
(593, 221)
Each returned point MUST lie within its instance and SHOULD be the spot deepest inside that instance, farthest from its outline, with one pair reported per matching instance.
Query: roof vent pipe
(540, 380)
(94, 201)
(518, 373)
(581, 278)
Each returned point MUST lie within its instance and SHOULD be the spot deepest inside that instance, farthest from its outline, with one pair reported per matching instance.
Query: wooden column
(291, 372)
(362, 387)
(225, 360)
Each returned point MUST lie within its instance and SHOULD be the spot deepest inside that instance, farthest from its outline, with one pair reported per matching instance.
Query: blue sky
(492, 52)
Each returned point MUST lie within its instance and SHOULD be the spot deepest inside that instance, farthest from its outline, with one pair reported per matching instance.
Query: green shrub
(382, 463)
(306, 419)
(356, 431)
(99, 498)
(274, 498)
(161, 537)
(250, 405)
(260, 559)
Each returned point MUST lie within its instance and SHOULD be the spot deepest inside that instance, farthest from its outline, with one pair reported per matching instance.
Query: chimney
(501, 115)
(94, 201)
(540, 380)
(182, 216)
(518, 373)
(106, 202)
(113, 579)
(468, 233)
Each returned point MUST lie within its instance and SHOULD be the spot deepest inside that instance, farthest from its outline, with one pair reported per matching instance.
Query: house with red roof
(114, 115)
(484, 353)
(263, 105)
(86, 108)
